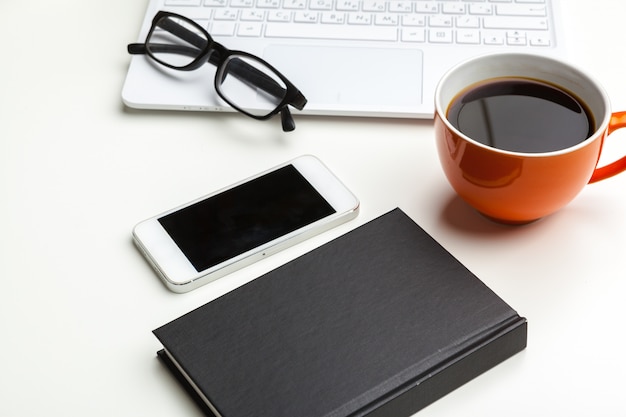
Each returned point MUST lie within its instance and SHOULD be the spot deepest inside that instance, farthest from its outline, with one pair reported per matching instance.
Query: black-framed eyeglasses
(244, 81)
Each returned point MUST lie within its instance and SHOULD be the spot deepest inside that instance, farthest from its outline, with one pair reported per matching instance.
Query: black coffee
(521, 115)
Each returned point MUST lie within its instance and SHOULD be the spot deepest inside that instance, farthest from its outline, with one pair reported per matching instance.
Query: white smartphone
(219, 233)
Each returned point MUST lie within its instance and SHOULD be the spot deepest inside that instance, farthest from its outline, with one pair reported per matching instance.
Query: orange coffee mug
(537, 173)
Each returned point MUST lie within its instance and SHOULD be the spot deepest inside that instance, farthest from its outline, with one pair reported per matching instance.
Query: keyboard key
(333, 18)
(268, 4)
(505, 22)
(226, 14)
(413, 35)
(465, 36)
(413, 20)
(377, 6)
(359, 18)
(516, 38)
(440, 21)
(222, 29)
(320, 4)
(242, 3)
(253, 15)
(250, 29)
(453, 8)
(305, 17)
(279, 16)
(481, 9)
(467, 22)
(347, 5)
(400, 7)
(294, 4)
(516, 41)
(183, 2)
(440, 36)
(520, 10)
(494, 39)
(539, 40)
(386, 19)
(348, 32)
(426, 7)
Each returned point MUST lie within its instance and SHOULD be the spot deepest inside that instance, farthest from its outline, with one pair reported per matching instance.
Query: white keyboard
(475, 22)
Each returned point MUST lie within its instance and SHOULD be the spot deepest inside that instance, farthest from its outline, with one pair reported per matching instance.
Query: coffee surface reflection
(521, 115)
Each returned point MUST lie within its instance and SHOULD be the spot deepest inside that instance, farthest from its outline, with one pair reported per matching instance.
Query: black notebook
(379, 322)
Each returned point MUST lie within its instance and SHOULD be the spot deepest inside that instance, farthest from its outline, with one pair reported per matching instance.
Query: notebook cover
(380, 321)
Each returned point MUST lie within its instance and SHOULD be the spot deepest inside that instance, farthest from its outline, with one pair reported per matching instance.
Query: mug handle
(618, 121)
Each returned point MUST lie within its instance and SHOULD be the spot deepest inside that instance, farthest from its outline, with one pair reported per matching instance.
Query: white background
(78, 170)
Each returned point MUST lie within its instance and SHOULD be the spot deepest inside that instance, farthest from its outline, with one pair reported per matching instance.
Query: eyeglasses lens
(175, 42)
(250, 86)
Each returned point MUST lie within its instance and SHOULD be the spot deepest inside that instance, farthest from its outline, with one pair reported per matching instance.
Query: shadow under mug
(516, 187)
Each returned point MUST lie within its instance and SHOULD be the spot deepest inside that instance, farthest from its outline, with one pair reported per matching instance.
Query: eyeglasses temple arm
(184, 33)
(140, 48)
(286, 120)
(252, 76)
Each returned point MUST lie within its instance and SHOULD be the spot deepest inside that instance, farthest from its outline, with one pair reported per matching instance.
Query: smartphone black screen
(239, 219)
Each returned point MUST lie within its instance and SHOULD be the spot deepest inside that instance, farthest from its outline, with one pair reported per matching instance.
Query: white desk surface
(78, 170)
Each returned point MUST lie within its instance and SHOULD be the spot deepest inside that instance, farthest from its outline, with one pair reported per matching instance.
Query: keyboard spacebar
(521, 23)
(315, 31)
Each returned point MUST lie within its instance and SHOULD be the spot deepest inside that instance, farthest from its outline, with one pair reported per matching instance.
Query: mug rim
(442, 113)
